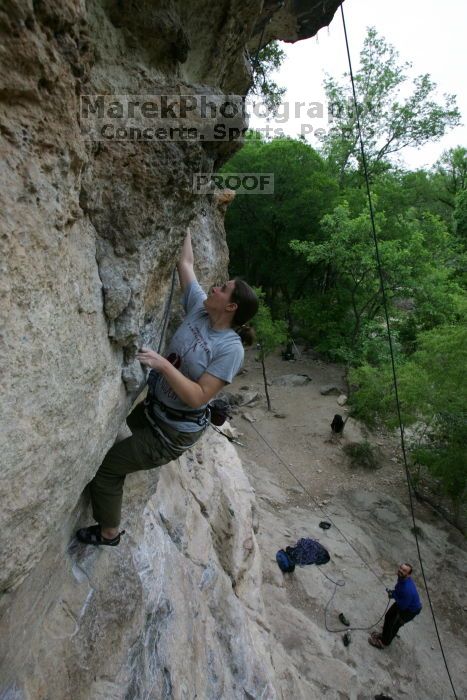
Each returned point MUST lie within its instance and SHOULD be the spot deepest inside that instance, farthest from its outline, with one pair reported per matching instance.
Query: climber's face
(219, 298)
(404, 571)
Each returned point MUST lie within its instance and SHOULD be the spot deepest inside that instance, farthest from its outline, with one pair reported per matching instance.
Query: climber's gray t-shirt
(196, 348)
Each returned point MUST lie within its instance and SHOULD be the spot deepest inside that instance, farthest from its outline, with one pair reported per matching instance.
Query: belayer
(406, 606)
(204, 355)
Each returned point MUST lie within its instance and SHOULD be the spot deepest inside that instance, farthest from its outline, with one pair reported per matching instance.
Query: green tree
(260, 226)
(398, 191)
(432, 393)
(431, 282)
(346, 315)
(451, 169)
(267, 60)
(270, 335)
(390, 121)
(347, 254)
(460, 216)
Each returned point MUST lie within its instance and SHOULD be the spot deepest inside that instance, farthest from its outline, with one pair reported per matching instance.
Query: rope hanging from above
(391, 350)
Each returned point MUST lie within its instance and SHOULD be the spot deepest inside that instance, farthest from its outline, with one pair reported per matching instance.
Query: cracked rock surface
(90, 232)
(174, 611)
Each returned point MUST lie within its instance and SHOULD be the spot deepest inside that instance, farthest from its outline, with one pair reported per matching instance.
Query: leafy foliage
(268, 59)
(408, 247)
(310, 247)
(260, 227)
(362, 454)
(460, 216)
(432, 393)
(270, 335)
(390, 122)
(452, 169)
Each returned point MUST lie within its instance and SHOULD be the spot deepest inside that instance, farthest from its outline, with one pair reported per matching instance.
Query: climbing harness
(200, 417)
(165, 438)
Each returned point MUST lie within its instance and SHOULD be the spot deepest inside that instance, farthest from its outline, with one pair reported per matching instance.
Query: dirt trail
(371, 533)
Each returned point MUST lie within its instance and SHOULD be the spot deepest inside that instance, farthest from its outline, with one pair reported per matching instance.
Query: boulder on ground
(248, 397)
(291, 380)
(330, 389)
(242, 398)
(248, 417)
(231, 432)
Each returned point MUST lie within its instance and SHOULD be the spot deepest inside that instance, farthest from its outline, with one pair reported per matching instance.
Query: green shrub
(372, 400)
(362, 454)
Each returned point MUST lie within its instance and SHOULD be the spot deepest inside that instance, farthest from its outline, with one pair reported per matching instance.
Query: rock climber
(205, 354)
(406, 606)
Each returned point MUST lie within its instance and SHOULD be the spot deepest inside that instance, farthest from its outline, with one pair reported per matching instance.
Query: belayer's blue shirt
(406, 595)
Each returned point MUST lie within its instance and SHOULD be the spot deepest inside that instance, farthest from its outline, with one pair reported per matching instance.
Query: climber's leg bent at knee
(149, 447)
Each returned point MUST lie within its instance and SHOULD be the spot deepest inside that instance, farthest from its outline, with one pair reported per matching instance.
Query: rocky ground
(303, 476)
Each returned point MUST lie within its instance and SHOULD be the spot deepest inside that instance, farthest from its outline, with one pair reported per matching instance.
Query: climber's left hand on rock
(150, 358)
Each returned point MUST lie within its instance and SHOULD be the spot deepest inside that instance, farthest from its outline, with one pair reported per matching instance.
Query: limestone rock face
(90, 232)
(175, 611)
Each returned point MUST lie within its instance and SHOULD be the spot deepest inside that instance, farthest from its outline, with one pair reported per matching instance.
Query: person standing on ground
(205, 354)
(407, 605)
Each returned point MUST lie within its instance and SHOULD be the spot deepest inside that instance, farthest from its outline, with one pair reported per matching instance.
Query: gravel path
(370, 535)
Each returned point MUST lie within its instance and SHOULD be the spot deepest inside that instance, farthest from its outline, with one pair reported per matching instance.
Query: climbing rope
(167, 311)
(229, 437)
(388, 327)
(323, 510)
(339, 583)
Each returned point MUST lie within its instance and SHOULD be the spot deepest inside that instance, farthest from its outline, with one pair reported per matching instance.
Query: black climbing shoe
(92, 535)
(343, 619)
(346, 638)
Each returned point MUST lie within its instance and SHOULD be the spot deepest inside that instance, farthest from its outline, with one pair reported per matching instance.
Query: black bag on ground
(338, 423)
(220, 411)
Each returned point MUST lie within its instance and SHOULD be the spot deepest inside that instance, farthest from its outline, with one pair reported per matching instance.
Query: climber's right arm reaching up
(186, 273)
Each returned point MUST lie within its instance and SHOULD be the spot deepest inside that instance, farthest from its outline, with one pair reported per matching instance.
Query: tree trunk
(265, 382)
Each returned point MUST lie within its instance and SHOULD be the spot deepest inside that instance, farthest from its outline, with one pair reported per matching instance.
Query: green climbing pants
(147, 448)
